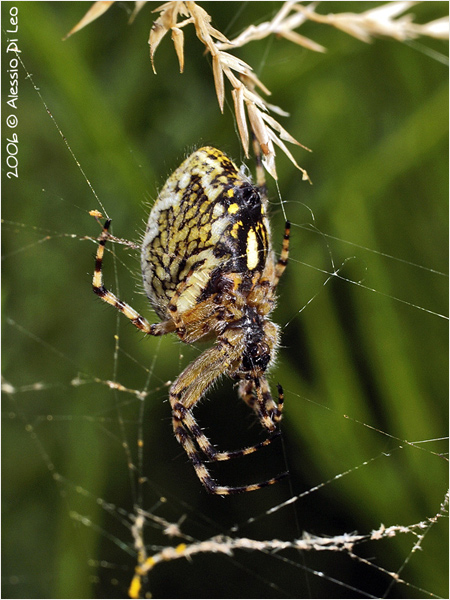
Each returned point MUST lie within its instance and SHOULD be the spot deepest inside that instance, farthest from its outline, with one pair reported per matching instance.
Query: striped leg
(97, 285)
(190, 424)
(261, 183)
(256, 393)
(174, 324)
(284, 256)
(270, 279)
(184, 394)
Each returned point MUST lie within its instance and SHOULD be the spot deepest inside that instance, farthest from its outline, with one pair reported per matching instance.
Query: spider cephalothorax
(210, 272)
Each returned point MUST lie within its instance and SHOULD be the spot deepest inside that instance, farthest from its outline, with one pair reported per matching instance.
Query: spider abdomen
(208, 221)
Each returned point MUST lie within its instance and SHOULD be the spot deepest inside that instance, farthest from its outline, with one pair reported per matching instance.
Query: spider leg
(97, 285)
(284, 256)
(279, 413)
(261, 183)
(190, 325)
(184, 394)
(256, 393)
(189, 422)
(264, 293)
(208, 449)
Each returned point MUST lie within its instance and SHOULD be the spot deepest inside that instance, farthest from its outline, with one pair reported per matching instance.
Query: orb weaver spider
(210, 272)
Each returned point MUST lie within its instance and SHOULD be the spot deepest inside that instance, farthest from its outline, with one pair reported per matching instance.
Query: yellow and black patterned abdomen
(208, 220)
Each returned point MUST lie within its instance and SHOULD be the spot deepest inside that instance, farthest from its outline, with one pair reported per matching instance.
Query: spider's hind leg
(256, 393)
(187, 390)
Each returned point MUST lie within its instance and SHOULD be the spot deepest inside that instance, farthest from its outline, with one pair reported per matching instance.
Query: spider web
(92, 473)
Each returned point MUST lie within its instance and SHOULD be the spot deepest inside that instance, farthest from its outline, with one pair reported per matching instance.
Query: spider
(210, 272)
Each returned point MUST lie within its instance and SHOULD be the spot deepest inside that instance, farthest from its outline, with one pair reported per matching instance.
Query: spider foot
(227, 455)
(223, 490)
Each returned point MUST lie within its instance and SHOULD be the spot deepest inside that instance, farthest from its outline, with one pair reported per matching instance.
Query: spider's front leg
(97, 285)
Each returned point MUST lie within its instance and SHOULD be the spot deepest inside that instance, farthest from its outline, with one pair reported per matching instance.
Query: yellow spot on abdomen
(235, 230)
(233, 208)
(252, 250)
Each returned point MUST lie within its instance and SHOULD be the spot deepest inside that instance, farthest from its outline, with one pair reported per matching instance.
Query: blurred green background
(376, 118)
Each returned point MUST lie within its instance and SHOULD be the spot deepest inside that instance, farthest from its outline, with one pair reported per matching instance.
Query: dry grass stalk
(227, 545)
(384, 21)
(283, 24)
(250, 107)
(96, 10)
